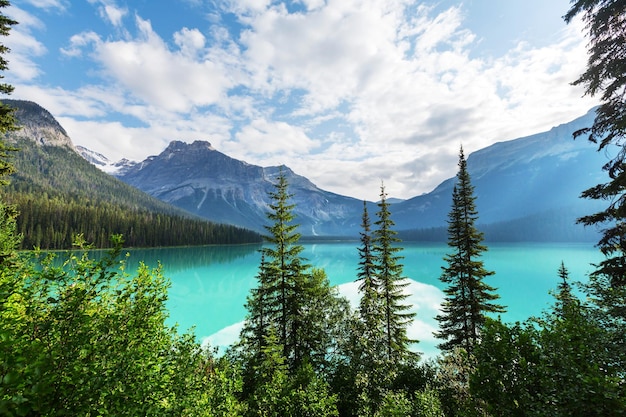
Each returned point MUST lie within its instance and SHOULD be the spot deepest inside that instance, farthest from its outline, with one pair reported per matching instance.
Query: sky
(352, 94)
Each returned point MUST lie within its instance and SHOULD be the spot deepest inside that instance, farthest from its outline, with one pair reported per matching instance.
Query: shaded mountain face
(201, 180)
(539, 177)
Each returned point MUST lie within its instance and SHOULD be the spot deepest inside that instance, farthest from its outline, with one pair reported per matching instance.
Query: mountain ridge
(522, 181)
(206, 182)
(514, 180)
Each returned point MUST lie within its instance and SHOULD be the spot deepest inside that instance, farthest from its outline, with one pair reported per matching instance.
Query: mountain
(534, 181)
(59, 194)
(103, 163)
(38, 125)
(208, 183)
(527, 189)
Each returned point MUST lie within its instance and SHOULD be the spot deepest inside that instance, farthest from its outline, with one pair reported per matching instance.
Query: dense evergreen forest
(85, 337)
(60, 195)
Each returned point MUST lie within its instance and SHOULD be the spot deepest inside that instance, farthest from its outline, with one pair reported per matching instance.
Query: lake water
(210, 284)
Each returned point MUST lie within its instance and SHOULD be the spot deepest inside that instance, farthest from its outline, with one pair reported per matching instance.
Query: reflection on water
(183, 258)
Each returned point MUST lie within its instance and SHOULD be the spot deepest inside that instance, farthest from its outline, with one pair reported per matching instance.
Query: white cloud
(410, 86)
(150, 71)
(262, 137)
(78, 43)
(345, 95)
(86, 103)
(190, 41)
(110, 11)
(48, 4)
(24, 46)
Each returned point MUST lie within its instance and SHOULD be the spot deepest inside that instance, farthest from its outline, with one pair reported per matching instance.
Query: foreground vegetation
(87, 337)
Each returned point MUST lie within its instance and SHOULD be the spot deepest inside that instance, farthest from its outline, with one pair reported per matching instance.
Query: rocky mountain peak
(195, 146)
(38, 124)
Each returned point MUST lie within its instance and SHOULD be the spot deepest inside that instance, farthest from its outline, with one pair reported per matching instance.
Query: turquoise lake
(209, 285)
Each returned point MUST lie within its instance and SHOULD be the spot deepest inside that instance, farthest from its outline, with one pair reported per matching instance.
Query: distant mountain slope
(526, 188)
(536, 177)
(203, 181)
(59, 193)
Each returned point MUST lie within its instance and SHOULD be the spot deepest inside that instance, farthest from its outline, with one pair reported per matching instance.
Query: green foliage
(561, 364)
(507, 376)
(87, 338)
(455, 369)
(427, 403)
(468, 299)
(219, 396)
(394, 404)
(608, 309)
(280, 393)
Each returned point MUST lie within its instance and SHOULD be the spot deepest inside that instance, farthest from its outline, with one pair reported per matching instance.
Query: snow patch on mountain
(105, 164)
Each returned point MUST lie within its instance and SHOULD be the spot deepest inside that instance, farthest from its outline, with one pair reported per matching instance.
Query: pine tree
(391, 285)
(369, 364)
(467, 297)
(7, 119)
(606, 75)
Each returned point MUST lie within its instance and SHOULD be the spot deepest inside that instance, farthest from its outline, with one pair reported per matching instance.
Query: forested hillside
(59, 195)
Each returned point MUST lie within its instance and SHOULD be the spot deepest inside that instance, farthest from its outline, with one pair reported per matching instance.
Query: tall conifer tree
(369, 286)
(467, 298)
(605, 22)
(564, 296)
(292, 300)
(391, 284)
(7, 119)
(282, 275)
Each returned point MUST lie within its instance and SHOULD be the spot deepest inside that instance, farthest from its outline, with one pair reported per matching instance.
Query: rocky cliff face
(38, 125)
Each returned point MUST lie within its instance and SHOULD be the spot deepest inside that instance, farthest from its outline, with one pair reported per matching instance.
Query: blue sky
(348, 93)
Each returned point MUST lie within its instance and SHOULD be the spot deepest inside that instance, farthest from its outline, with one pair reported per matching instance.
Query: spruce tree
(606, 76)
(285, 269)
(7, 119)
(391, 285)
(370, 310)
(369, 364)
(292, 300)
(564, 296)
(468, 299)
